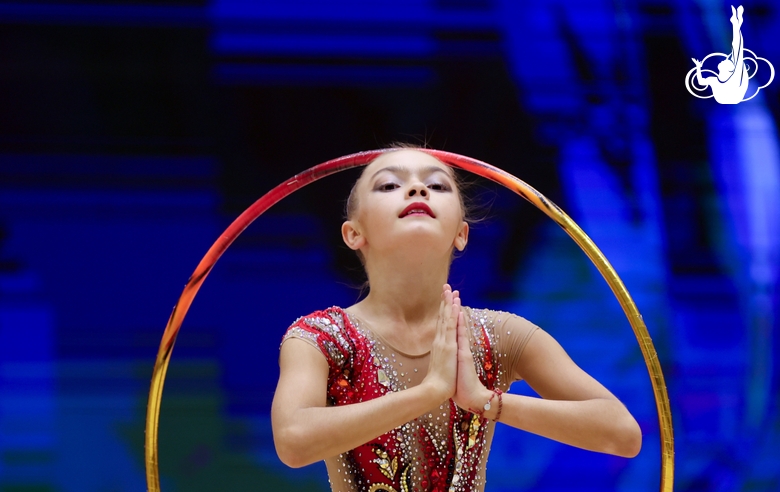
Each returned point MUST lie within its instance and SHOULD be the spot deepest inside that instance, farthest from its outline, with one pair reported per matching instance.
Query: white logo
(730, 83)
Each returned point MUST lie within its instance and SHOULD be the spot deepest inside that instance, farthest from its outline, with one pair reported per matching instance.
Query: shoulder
(495, 321)
(482, 317)
(331, 319)
(330, 330)
(507, 334)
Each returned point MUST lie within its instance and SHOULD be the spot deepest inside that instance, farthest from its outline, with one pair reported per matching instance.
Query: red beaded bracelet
(487, 406)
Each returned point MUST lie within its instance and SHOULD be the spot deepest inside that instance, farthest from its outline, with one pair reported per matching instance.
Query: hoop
(361, 159)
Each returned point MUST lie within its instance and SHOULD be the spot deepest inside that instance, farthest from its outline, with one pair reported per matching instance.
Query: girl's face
(406, 199)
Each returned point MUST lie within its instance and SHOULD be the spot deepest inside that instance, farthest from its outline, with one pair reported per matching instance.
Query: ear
(350, 233)
(462, 238)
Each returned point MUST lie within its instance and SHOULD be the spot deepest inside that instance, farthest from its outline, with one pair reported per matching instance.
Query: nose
(418, 189)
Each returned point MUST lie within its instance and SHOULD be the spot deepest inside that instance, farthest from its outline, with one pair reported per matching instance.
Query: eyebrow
(402, 170)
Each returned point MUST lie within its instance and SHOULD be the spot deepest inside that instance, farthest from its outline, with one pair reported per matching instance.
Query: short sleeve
(326, 331)
(498, 339)
(512, 335)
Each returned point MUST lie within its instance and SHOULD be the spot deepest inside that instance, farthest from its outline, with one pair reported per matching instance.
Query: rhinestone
(423, 447)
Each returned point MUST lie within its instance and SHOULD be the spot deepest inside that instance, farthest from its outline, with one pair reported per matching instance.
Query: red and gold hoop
(361, 159)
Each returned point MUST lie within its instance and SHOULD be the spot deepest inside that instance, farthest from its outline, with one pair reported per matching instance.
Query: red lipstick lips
(417, 208)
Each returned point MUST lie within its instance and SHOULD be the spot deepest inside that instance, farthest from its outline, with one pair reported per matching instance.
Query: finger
(444, 312)
(463, 338)
(452, 326)
(454, 310)
(445, 315)
(442, 321)
(464, 349)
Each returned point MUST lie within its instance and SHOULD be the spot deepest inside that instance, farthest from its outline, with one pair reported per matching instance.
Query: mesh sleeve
(512, 335)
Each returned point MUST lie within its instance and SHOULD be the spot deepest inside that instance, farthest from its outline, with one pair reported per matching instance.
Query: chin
(421, 233)
(419, 246)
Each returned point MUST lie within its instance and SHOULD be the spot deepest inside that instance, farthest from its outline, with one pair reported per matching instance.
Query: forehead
(406, 159)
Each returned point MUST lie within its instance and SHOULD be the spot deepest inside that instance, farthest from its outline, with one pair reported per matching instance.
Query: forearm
(602, 425)
(316, 433)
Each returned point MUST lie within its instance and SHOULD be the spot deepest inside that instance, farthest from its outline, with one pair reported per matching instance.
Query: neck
(404, 300)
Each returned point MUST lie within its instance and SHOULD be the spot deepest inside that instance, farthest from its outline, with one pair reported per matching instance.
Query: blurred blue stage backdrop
(133, 133)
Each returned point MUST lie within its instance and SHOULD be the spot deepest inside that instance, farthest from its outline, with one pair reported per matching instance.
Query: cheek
(455, 210)
(373, 216)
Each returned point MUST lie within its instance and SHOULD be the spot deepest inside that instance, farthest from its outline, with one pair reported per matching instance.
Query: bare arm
(306, 430)
(575, 409)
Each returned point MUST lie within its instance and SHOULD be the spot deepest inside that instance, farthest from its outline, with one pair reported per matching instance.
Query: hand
(470, 393)
(443, 367)
(696, 62)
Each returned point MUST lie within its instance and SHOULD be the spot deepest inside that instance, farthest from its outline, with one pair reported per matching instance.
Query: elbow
(628, 441)
(632, 447)
(291, 447)
(290, 458)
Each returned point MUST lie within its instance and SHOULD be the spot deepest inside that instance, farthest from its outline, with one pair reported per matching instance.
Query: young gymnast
(401, 391)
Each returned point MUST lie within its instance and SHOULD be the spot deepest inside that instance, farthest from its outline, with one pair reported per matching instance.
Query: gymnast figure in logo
(731, 84)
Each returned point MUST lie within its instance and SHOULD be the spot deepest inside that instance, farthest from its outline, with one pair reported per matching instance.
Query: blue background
(133, 133)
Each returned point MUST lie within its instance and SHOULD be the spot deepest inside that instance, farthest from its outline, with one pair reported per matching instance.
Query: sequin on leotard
(446, 448)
